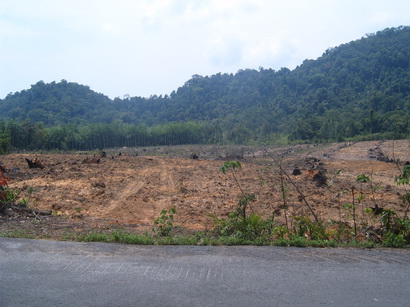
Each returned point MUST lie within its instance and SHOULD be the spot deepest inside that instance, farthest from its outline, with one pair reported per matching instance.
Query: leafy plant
(24, 202)
(304, 227)
(362, 178)
(31, 190)
(280, 232)
(395, 230)
(394, 240)
(338, 231)
(165, 222)
(246, 228)
(404, 177)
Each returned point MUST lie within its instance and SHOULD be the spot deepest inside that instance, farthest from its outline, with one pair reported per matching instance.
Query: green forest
(356, 91)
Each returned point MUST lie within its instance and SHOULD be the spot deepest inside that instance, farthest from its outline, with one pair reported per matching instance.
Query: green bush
(165, 222)
(394, 240)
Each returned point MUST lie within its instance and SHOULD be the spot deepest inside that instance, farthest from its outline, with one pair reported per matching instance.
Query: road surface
(51, 273)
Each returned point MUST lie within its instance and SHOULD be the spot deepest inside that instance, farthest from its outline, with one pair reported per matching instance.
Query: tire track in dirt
(145, 195)
(120, 197)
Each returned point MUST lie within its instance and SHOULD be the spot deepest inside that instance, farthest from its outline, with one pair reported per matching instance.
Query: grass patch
(197, 239)
(18, 234)
(205, 239)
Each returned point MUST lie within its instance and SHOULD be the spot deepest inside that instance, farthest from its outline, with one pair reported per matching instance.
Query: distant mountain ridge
(358, 88)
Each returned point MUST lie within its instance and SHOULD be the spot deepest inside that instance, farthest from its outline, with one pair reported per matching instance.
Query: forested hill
(56, 103)
(358, 88)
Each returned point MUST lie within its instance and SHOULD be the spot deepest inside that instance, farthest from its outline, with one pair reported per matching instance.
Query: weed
(394, 240)
(362, 178)
(31, 190)
(94, 237)
(304, 227)
(298, 242)
(24, 202)
(338, 231)
(17, 234)
(243, 228)
(280, 232)
(8, 195)
(129, 238)
(165, 222)
(404, 177)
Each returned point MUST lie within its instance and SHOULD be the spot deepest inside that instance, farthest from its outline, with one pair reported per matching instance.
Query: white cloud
(153, 46)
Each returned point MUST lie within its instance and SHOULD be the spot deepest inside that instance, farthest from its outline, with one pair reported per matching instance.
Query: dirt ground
(130, 189)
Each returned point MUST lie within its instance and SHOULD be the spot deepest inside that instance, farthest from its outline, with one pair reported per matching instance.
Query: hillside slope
(358, 88)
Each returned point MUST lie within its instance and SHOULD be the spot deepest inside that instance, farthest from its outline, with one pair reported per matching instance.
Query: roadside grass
(196, 239)
(18, 234)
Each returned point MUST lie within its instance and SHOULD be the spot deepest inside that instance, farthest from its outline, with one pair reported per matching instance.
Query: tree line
(35, 136)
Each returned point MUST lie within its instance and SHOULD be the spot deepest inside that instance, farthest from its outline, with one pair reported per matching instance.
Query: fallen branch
(22, 210)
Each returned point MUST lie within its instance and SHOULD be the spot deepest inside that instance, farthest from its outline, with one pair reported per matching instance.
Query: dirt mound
(132, 189)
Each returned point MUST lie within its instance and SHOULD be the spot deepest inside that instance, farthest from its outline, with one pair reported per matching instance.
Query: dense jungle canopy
(358, 90)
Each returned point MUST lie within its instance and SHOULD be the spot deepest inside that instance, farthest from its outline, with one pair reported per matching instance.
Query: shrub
(165, 222)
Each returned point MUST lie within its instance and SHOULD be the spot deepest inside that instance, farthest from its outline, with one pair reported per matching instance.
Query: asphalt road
(49, 273)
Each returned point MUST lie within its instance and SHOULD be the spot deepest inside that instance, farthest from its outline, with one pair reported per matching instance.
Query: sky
(152, 47)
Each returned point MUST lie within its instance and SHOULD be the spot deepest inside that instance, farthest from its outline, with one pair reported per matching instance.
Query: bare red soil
(129, 191)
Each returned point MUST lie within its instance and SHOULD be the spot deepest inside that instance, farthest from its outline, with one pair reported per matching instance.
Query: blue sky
(147, 47)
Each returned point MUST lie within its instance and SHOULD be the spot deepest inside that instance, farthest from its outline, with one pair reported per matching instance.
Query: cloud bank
(151, 47)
